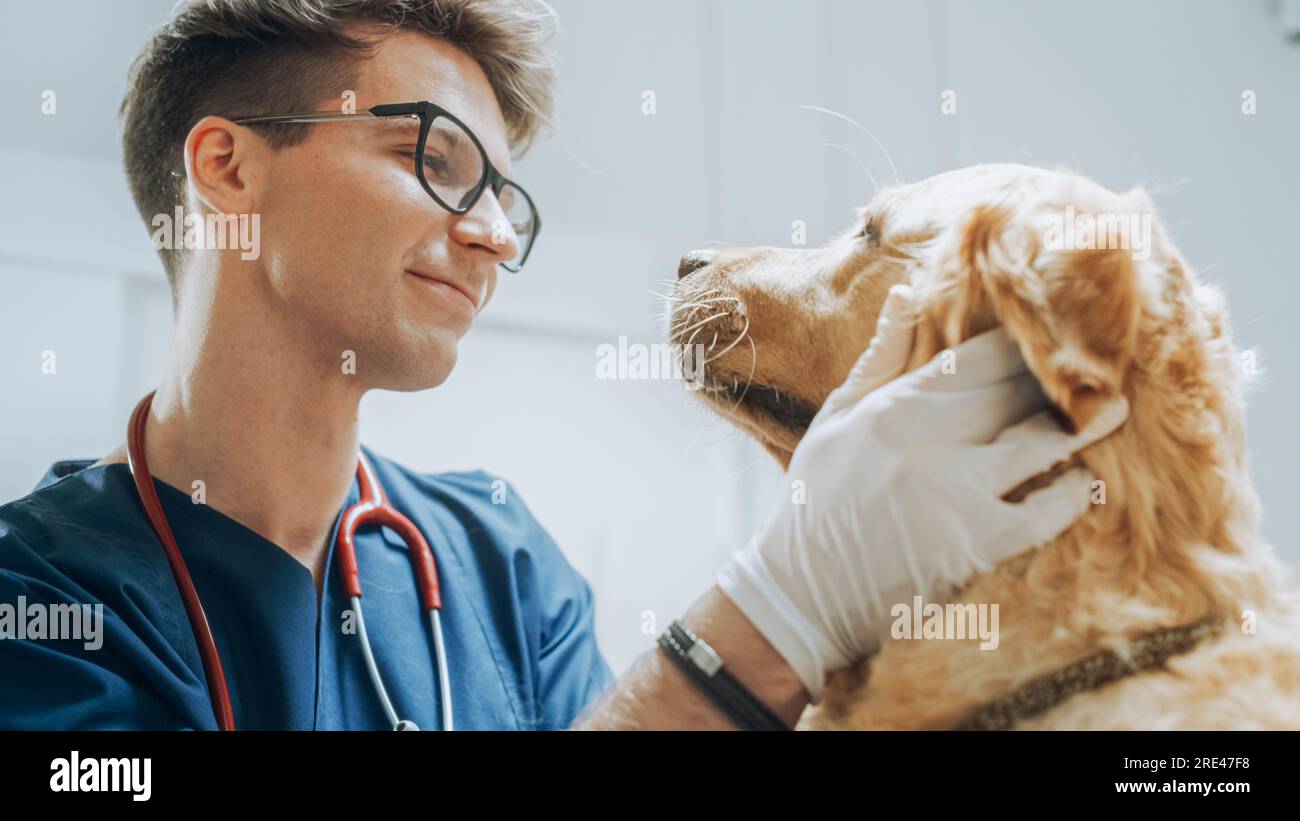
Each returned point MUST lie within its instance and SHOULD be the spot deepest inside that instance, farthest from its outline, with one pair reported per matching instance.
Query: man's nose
(486, 226)
(693, 261)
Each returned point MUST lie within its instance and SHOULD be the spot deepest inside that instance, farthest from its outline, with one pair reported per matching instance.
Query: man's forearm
(657, 695)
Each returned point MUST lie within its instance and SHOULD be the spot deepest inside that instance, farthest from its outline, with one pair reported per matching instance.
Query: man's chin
(412, 367)
(422, 378)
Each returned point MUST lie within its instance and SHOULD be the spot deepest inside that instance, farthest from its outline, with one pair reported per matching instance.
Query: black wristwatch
(703, 665)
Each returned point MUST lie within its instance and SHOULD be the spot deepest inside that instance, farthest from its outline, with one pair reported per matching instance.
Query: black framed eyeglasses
(450, 163)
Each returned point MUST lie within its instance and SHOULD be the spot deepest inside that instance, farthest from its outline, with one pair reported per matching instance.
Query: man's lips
(455, 286)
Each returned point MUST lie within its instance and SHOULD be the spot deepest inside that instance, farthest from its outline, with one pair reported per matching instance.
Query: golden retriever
(1175, 542)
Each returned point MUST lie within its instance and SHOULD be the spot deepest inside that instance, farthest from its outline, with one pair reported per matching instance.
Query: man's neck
(268, 427)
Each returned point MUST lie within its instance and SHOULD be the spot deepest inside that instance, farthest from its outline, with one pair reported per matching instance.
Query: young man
(375, 258)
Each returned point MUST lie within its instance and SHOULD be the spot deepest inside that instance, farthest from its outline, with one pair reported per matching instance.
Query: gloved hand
(902, 485)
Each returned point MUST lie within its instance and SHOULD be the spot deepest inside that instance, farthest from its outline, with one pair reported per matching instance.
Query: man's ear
(1072, 309)
(215, 164)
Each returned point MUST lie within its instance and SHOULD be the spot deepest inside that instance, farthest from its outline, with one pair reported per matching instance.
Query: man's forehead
(409, 66)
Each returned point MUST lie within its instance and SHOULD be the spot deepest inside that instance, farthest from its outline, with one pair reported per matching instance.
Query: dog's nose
(693, 261)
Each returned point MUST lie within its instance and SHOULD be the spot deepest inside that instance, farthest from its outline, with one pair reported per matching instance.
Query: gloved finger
(981, 360)
(1036, 444)
(886, 355)
(1045, 514)
(967, 419)
(986, 412)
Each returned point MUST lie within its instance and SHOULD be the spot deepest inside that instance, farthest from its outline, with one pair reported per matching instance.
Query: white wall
(645, 491)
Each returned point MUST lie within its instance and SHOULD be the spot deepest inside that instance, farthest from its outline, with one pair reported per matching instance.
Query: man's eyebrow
(454, 137)
(394, 124)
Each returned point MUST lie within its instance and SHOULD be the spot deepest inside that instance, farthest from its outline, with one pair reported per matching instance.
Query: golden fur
(1178, 535)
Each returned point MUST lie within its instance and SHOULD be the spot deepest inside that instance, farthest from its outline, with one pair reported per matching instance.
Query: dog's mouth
(790, 411)
(776, 417)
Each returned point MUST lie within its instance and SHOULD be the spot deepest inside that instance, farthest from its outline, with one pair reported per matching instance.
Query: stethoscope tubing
(444, 678)
(372, 668)
(373, 508)
(212, 669)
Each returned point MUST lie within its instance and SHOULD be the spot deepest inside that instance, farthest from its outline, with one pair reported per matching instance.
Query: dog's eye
(868, 232)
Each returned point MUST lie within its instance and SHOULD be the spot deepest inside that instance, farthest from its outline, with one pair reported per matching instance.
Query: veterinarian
(218, 558)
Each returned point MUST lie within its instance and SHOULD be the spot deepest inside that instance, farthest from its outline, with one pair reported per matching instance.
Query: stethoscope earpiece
(406, 724)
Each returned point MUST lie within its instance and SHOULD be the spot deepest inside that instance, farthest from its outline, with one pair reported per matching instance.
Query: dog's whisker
(691, 341)
(874, 185)
(582, 164)
(690, 311)
(737, 440)
(753, 365)
(744, 333)
(677, 327)
(699, 304)
(721, 299)
(703, 322)
(864, 130)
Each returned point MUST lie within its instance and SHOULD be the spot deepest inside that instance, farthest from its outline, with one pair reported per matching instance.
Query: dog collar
(1045, 692)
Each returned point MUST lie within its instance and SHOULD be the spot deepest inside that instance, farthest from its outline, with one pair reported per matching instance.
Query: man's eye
(436, 167)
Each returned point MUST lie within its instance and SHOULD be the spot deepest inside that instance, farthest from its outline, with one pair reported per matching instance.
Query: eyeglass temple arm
(309, 117)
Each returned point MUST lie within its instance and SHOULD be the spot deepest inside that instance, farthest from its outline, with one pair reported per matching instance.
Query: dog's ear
(1073, 309)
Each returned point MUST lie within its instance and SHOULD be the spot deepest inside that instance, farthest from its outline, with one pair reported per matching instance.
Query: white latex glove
(902, 485)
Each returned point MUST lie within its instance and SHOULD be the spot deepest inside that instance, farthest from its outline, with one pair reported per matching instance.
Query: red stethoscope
(374, 508)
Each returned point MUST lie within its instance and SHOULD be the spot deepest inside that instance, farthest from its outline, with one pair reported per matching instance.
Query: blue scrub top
(517, 618)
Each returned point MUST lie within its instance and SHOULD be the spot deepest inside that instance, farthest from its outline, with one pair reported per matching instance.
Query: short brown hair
(247, 57)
